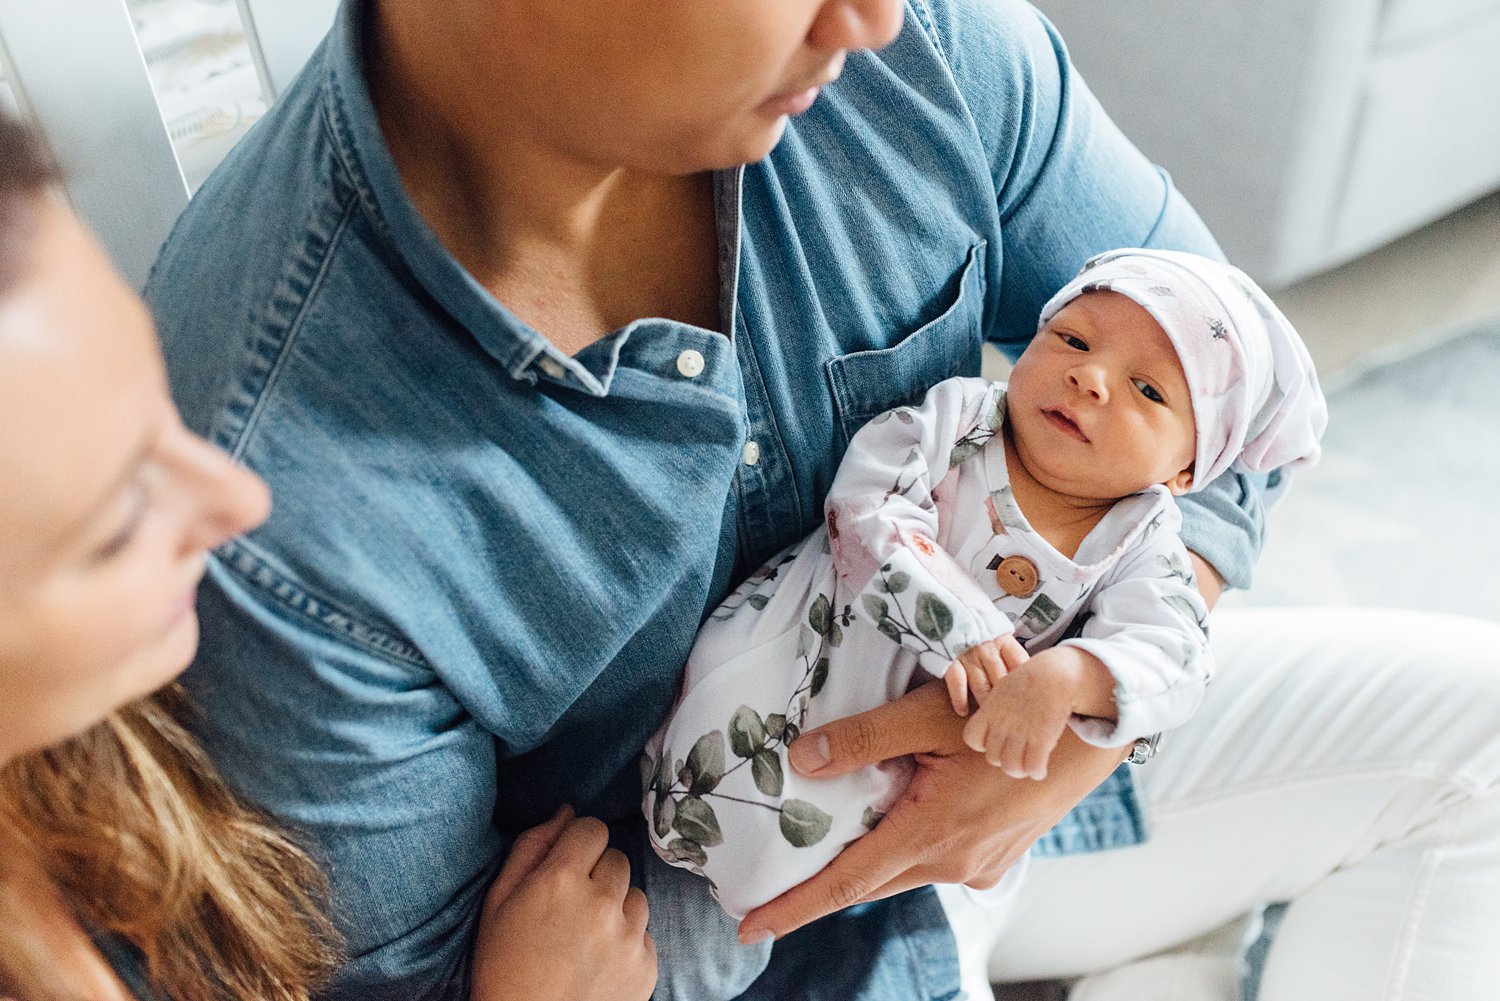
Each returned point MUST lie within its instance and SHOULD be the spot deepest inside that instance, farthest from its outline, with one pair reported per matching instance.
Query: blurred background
(1345, 152)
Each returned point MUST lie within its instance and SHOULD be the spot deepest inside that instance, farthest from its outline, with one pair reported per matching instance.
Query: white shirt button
(690, 363)
(552, 367)
(752, 453)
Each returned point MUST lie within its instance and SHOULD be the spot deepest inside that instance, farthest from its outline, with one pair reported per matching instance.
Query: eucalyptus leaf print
(819, 615)
(697, 822)
(972, 442)
(803, 824)
(1184, 607)
(765, 769)
(1039, 616)
(819, 676)
(934, 617)
(1007, 511)
(683, 850)
(775, 725)
(663, 814)
(705, 763)
(747, 732)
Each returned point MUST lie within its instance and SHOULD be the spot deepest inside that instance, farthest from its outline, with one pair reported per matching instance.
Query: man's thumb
(888, 731)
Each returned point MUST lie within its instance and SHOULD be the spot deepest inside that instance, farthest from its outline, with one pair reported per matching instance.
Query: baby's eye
(1148, 391)
(1077, 343)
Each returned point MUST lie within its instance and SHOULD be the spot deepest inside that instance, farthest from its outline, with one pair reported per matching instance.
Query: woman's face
(107, 503)
(675, 86)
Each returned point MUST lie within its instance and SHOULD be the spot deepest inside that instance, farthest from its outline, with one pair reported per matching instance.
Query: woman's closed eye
(122, 538)
(1148, 391)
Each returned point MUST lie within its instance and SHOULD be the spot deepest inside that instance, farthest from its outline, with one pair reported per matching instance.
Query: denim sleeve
(1069, 185)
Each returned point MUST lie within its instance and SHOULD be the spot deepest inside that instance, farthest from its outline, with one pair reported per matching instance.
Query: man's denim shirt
(488, 559)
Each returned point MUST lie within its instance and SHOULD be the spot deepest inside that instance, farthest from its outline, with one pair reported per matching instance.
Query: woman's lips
(794, 102)
(1065, 424)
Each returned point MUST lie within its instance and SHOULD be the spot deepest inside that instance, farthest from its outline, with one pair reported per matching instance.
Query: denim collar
(524, 352)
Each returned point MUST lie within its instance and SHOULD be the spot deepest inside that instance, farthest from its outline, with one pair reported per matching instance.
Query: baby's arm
(1140, 665)
(1149, 627)
(883, 524)
(1023, 714)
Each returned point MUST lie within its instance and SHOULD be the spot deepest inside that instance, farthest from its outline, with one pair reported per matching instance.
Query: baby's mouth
(1065, 424)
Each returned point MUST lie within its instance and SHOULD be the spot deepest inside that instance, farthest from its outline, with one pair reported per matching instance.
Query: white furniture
(1306, 132)
(77, 68)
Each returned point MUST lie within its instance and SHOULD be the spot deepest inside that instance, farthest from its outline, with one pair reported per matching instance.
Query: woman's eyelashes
(120, 540)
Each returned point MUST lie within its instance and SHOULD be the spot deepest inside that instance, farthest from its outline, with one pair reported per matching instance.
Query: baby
(1018, 541)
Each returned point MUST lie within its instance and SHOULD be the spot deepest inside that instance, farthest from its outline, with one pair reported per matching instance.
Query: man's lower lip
(793, 104)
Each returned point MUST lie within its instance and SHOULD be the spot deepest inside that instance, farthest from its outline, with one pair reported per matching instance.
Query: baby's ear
(1181, 483)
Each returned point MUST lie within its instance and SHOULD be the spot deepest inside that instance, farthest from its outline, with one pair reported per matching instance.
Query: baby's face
(1098, 405)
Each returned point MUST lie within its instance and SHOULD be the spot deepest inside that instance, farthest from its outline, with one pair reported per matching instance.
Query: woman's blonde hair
(131, 822)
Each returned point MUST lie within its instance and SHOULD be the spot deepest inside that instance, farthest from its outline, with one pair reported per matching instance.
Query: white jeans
(1347, 761)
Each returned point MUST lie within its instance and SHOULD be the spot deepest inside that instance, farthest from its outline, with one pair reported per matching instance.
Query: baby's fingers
(990, 662)
(1012, 652)
(1009, 755)
(956, 678)
(975, 733)
(1038, 752)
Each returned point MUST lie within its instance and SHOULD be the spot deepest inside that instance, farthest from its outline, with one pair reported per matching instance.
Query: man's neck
(485, 181)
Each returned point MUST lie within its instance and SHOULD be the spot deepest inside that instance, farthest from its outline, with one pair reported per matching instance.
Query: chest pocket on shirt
(868, 383)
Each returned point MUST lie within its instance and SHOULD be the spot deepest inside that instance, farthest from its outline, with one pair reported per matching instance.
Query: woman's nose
(231, 499)
(856, 24)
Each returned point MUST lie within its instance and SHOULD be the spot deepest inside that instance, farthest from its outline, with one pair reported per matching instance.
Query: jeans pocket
(868, 383)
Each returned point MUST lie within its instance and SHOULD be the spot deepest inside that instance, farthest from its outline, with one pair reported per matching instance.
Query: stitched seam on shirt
(255, 568)
(1026, 120)
(1166, 202)
(268, 336)
(923, 13)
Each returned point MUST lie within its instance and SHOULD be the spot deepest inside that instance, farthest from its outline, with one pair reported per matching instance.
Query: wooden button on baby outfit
(1017, 576)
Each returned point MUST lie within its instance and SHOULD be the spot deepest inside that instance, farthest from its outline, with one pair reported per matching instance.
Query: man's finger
(920, 722)
(871, 862)
(526, 853)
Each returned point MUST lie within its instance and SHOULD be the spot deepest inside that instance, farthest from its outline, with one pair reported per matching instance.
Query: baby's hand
(980, 668)
(1022, 718)
(561, 920)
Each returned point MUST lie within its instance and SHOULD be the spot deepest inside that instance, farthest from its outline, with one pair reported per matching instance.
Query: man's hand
(959, 820)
